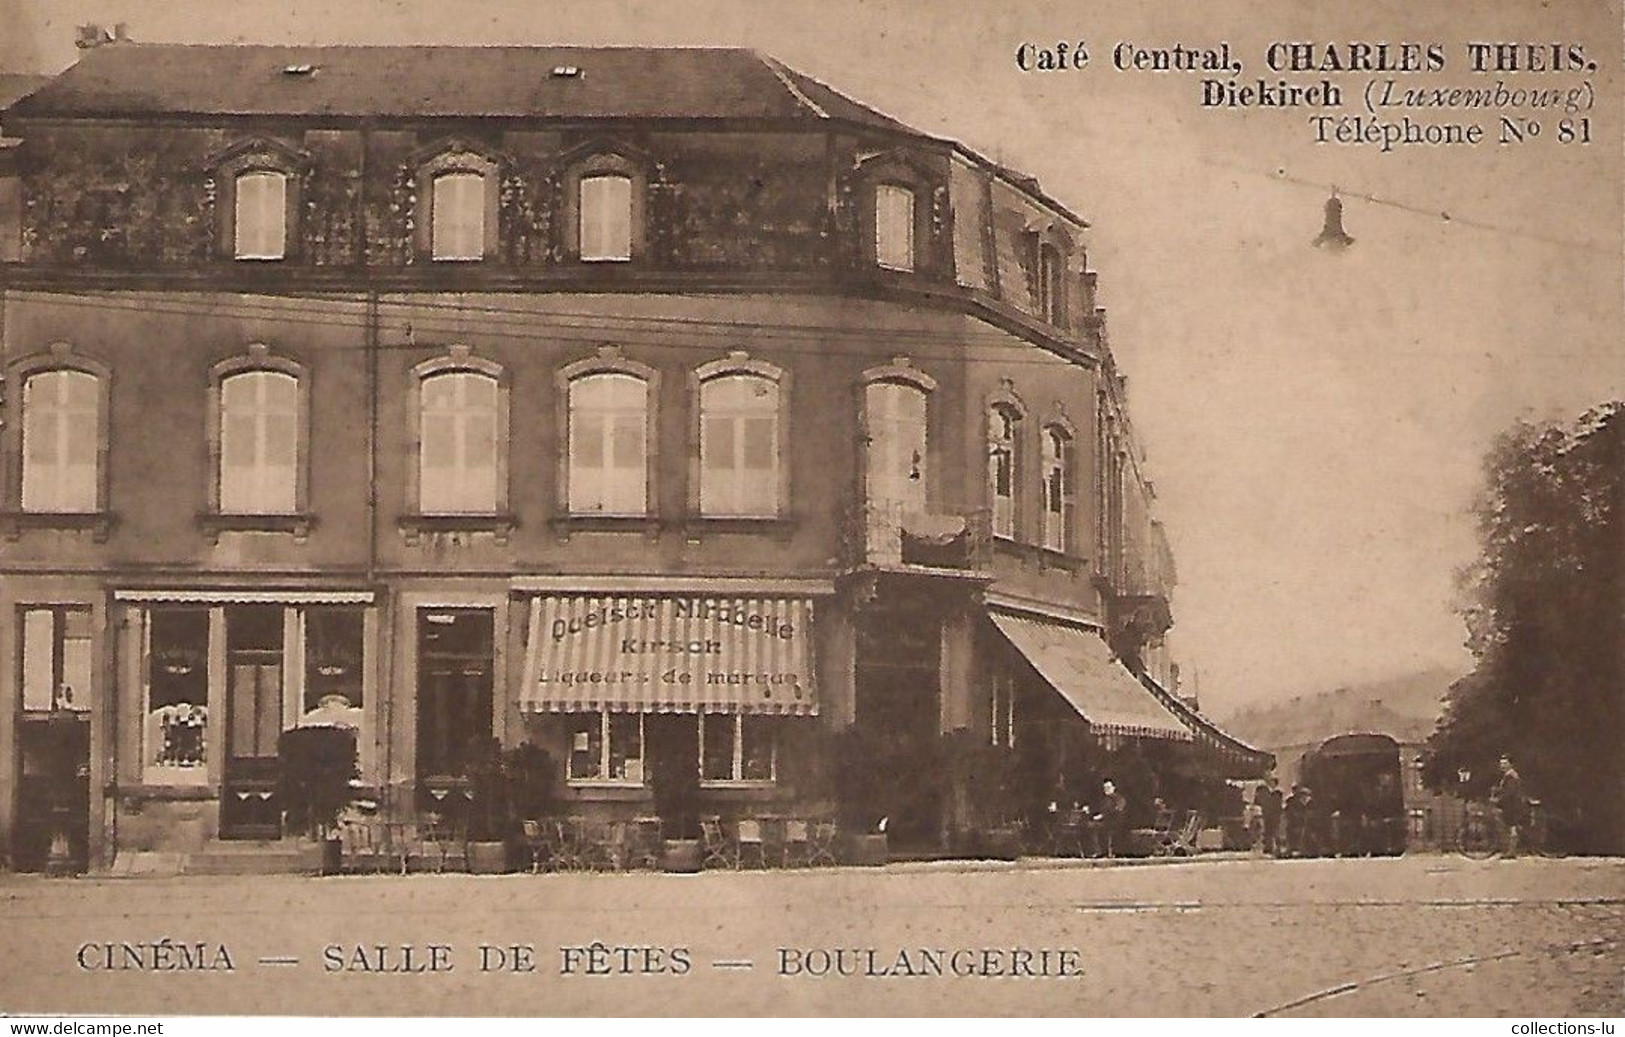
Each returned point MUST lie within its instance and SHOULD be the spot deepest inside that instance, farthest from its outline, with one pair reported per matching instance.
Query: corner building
(626, 401)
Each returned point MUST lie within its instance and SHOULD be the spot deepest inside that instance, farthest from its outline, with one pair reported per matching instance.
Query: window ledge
(97, 523)
(564, 525)
(608, 791)
(214, 523)
(414, 527)
(1041, 556)
(780, 526)
(742, 785)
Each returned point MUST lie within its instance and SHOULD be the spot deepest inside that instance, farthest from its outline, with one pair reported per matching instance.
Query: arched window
(1003, 453)
(259, 443)
(606, 218)
(61, 442)
(459, 216)
(459, 445)
(894, 227)
(895, 421)
(260, 225)
(1059, 502)
(608, 415)
(739, 445)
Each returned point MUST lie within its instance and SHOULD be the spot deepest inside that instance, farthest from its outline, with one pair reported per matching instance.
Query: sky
(1314, 422)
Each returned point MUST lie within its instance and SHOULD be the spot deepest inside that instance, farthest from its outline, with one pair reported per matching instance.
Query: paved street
(1418, 935)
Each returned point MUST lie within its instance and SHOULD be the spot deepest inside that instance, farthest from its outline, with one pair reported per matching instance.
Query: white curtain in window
(259, 443)
(739, 449)
(457, 470)
(61, 431)
(896, 418)
(894, 227)
(459, 216)
(608, 445)
(606, 218)
(1057, 489)
(262, 215)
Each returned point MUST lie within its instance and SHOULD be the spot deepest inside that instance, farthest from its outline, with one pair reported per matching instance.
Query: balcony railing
(895, 534)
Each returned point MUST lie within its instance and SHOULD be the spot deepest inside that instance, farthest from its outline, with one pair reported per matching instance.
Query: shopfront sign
(670, 654)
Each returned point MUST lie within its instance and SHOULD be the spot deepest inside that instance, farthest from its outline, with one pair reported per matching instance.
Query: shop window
(606, 748)
(1059, 503)
(333, 651)
(894, 227)
(260, 446)
(737, 748)
(176, 727)
(461, 440)
(606, 218)
(739, 446)
(1004, 443)
(62, 431)
(458, 205)
(56, 659)
(608, 439)
(260, 224)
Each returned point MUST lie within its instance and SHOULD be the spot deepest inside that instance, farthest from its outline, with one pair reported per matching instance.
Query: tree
(1544, 606)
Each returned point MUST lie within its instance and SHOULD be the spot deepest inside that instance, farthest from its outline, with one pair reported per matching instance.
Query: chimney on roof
(93, 35)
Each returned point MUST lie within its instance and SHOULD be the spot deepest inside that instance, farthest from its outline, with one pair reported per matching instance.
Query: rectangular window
(606, 748)
(261, 215)
(1003, 721)
(609, 472)
(458, 233)
(175, 729)
(606, 218)
(56, 660)
(61, 447)
(460, 425)
(737, 748)
(739, 447)
(894, 227)
(259, 444)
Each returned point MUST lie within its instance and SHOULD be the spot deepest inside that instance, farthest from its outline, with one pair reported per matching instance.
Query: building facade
(640, 404)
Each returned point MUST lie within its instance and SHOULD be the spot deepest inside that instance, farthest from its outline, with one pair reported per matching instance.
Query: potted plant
(316, 779)
(675, 777)
(857, 794)
(488, 817)
(995, 775)
(531, 778)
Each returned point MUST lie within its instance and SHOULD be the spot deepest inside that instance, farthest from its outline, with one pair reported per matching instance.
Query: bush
(316, 772)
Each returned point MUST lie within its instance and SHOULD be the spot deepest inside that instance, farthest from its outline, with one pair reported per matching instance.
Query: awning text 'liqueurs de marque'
(670, 654)
(1078, 664)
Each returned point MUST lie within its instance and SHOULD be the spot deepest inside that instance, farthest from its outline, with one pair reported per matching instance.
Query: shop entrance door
(898, 674)
(455, 664)
(254, 670)
(52, 832)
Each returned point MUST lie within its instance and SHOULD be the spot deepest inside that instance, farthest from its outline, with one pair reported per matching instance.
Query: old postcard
(790, 509)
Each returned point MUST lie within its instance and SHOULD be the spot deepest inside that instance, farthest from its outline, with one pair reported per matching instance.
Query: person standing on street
(1509, 799)
(1269, 799)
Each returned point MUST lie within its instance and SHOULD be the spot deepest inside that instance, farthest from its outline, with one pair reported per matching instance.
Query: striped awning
(669, 654)
(1078, 664)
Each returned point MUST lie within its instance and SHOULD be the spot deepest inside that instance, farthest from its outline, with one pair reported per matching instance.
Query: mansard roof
(146, 79)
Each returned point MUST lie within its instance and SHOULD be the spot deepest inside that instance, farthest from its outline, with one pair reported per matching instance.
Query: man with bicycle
(1510, 800)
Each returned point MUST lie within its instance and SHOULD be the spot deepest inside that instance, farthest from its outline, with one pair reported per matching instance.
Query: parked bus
(1358, 795)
